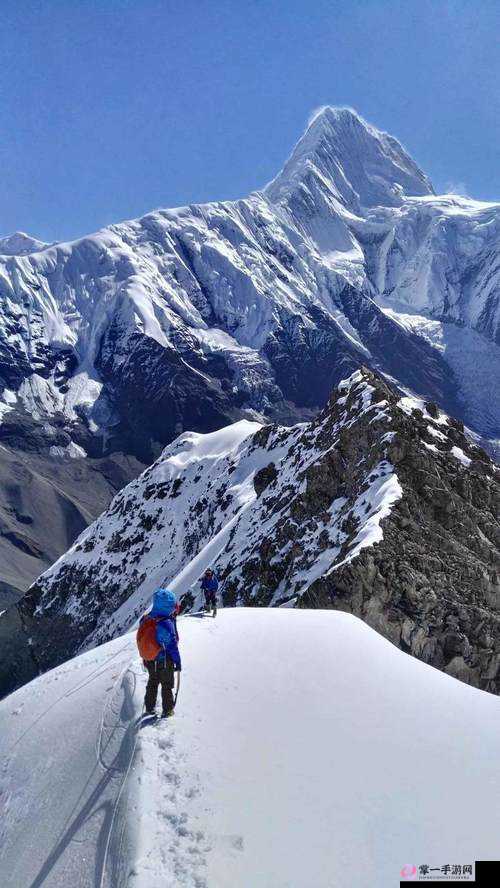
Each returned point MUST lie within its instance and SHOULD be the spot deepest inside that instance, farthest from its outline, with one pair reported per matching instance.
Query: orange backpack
(146, 639)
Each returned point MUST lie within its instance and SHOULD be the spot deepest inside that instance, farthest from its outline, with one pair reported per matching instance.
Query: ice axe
(178, 684)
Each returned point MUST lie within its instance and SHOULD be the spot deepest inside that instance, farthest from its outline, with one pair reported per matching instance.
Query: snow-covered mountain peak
(196, 317)
(358, 164)
(20, 244)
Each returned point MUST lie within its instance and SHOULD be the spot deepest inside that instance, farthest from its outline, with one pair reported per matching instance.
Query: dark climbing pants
(210, 600)
(160, 673)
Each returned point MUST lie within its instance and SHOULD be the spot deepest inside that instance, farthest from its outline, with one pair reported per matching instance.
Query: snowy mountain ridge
(350, 511)
(305, 746)
(20, 244)
(198, 316)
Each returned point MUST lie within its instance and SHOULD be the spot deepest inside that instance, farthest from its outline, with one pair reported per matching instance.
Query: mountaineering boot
(167, 713)
(150, 712)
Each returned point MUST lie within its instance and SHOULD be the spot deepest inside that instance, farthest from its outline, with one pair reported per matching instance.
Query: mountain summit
(20, 244)
(360, 165)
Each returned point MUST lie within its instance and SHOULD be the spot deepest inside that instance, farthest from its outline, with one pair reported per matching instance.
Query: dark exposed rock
(439, 558)
(264, 477)
(17, 663)
(178, 397)
(432, 409)
(176, 488)
(44, 504)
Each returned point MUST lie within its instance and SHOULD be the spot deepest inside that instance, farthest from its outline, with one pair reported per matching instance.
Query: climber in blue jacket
(210, 585)
(161, 669)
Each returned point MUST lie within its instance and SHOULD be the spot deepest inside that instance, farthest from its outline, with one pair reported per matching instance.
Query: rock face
(380, 506)
(45, 503)
(195, 317)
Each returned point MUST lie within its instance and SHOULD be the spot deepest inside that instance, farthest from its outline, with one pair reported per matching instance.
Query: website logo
(409, 872)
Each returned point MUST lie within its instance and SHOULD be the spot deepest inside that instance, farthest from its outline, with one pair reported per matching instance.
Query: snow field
(306, 750)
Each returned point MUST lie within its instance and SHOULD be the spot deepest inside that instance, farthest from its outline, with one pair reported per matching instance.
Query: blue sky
(111, 108)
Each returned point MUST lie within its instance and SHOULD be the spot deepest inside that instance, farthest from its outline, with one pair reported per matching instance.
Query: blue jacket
(166, 636)
(210, 584)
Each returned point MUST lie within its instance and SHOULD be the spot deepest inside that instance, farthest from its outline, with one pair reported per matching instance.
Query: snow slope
(306, 750)
(66, 740)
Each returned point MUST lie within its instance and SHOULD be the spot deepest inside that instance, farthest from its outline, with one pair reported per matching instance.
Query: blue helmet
(164, 602)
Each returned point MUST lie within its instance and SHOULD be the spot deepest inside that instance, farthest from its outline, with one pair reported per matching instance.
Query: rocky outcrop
(381, 506)
(432, 584)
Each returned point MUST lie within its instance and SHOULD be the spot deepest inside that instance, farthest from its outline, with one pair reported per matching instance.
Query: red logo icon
(409, 871)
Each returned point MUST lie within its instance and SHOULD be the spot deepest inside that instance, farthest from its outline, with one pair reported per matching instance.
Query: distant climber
(157, 640)
(209, 585)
